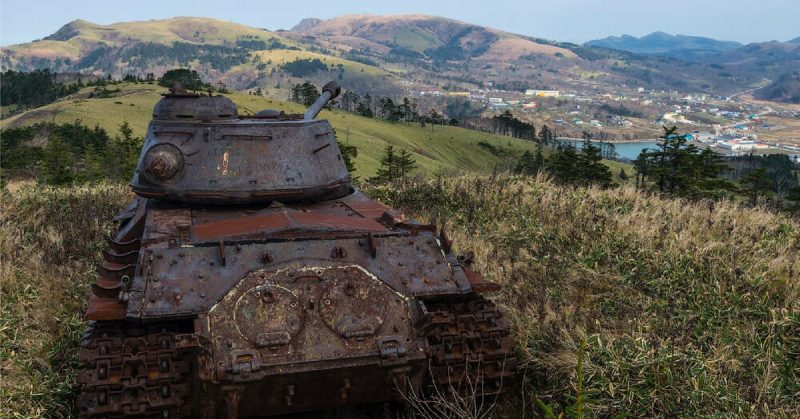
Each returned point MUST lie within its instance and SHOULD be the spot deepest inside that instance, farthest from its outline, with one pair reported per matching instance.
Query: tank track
(130, 369)
(471, 348)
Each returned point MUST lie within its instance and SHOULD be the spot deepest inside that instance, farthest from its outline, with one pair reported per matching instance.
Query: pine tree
(124, 149)
(680, 169)
(388, 169)
(794, 197)
(545, 135)
(590, 168)
(405, 164)
(348, 152)
(539, 158)
(394, 166)
(563, 163)
(57, 163)
(756, 184)
(527, 164)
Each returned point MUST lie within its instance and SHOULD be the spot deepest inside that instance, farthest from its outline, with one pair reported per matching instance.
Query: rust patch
(282, 221)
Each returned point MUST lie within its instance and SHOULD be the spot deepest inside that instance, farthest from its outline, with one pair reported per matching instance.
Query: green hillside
(439, 148)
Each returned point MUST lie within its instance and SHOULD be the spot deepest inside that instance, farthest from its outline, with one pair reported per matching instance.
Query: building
(742, 146)
(542, 93)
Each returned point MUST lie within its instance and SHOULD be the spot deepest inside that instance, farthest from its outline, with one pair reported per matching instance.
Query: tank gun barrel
(329, 92)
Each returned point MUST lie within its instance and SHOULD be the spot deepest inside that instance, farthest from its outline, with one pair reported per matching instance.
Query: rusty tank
(248, 277)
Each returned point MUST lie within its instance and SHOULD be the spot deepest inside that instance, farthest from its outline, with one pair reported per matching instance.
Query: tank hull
(276, 309)
(248, 278)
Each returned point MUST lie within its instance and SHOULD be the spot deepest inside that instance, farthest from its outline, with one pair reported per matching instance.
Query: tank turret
(199, 150)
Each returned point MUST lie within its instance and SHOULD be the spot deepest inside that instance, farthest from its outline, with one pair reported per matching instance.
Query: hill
(664, 44)
(674, 309)
(770, 59)
(433, 36)
(369, 54)
(785, 89)
(435, 148)
(794, 41)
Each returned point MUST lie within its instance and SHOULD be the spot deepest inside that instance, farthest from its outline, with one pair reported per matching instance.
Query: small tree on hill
(124, 149)
(757, 184)
(394, 166)
(527, 164)
(405, 164)
(189, 79)
(545, 135)
(590, 168)
(305, 93)
(57, 162)
(681, 169)
(794, 198)
(388, 170)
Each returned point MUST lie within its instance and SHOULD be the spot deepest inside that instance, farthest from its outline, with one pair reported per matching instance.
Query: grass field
(681, 309)
(278, 57)
(435, 148)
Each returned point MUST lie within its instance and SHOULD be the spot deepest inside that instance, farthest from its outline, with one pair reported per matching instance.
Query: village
(730, 125)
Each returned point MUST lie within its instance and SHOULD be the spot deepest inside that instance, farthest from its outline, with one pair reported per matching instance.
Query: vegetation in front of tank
(687, 308)
(51, 238)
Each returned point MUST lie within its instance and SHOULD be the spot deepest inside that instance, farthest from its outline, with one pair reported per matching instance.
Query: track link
(131, 370)
(471, 348)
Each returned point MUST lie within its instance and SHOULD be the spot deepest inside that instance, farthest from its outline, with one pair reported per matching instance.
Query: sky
(561, 20)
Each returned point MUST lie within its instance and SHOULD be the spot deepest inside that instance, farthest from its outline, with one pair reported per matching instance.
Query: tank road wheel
(129, 370)
(471, 348)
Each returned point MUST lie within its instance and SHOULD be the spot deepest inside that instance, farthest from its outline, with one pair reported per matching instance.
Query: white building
(542, 93)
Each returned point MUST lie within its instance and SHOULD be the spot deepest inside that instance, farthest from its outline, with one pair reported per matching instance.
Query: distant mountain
(664, 44)
(794, 41)
(382, 55)
(306, 24)
(431, 36)
(766, 59)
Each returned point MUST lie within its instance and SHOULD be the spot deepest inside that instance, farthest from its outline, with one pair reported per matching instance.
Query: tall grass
(50, 240)
(685, 309)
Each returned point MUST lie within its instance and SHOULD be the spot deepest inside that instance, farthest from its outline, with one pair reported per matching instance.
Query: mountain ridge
(367, 53)
(665, 44)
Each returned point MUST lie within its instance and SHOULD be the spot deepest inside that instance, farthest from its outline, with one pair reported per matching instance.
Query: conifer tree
(590, 168)
(388, 169)
(527, 164)
(57, 163)
(394, 166)
(405, 164)
(680, 169)
(756, 184)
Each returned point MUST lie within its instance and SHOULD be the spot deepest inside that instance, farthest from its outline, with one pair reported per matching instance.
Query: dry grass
(686, 309)
(50, 241)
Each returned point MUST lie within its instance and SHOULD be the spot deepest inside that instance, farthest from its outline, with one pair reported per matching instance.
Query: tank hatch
(184, 106)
